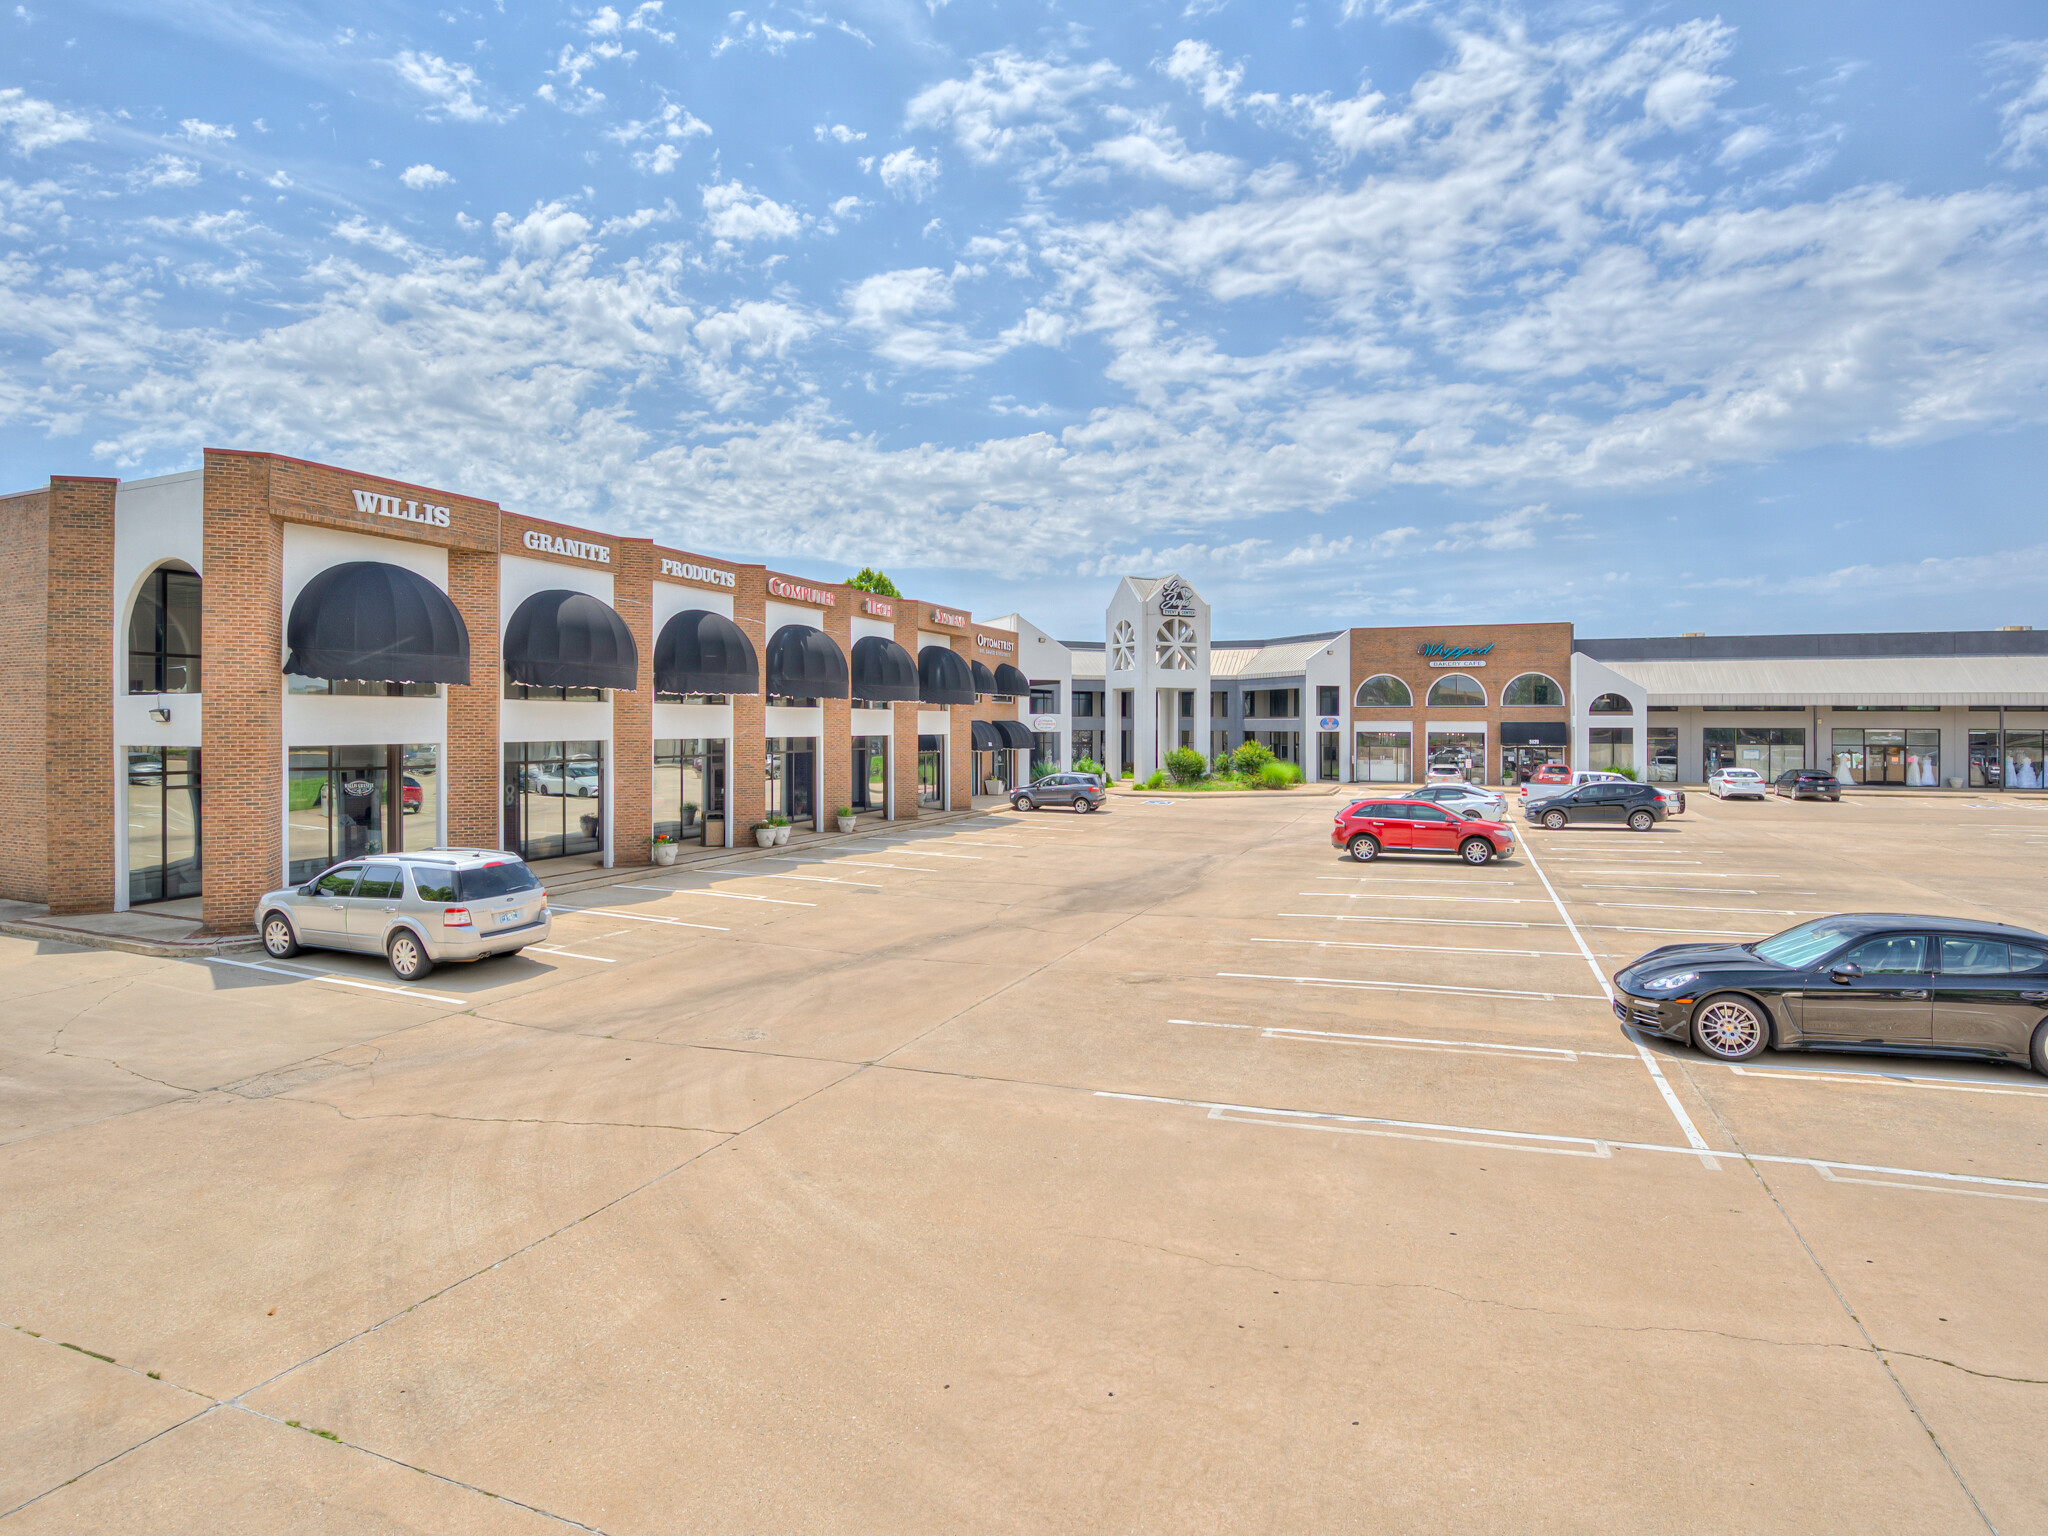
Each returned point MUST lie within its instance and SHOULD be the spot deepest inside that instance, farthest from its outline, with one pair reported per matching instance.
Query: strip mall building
(224, 680)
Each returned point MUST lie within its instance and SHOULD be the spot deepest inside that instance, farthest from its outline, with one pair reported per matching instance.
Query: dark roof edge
(1947, 642)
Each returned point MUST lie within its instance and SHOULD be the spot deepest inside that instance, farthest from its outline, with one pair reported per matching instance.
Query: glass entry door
(554, 798)
(870, 773)
(791, 777)
(163, 823)
(931, 773)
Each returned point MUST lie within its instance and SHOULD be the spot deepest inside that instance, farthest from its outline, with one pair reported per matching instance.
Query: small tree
(872, 580)
(1249, 759)
(1186, 765)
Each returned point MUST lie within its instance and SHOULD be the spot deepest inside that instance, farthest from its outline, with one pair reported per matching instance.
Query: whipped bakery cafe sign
(1177, 599)
(405, 511)
(575, 549)
(685, 570)
(1455, 655)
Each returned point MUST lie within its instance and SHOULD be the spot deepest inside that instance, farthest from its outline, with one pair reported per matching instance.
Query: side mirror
(1844, 973)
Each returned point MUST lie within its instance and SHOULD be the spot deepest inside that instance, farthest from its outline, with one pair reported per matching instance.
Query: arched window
(1455, 690)
(1610, 704)
(1385, 691)
(1532, 690)
(1174, 645)
(163, 632)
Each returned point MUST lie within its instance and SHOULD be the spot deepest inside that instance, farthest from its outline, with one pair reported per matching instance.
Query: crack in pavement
(435, 1114)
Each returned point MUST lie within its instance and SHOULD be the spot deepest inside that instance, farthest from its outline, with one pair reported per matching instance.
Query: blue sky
(1648, 317)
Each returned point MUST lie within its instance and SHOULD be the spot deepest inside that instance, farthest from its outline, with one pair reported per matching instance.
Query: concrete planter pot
(764, 837)
(847, 823)
(664, 853)
(781, 836)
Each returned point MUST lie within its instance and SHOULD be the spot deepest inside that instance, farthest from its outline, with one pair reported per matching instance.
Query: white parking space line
(1411, 1042)
(681, 890)
(1415, 949)
(1495, 1139)
(639, 917)
(865, 885)
(1690, 874)
(1692, 1132)
(1686, 890)
(1483, 922)
(1885, 1079)
(1510, 901)
(912, 869)
(567, 954)
(1416, 986)
(1652, 906)
(1419, 880)
(339, 981)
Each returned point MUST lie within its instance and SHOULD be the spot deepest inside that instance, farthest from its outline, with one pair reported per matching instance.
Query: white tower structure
(1156, 671)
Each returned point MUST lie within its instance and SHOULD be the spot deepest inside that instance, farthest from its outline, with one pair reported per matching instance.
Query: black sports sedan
(1869, 981)
(1808, 784)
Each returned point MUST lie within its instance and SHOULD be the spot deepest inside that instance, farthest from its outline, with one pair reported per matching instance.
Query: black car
(1869, 981)
(1808, 784)
(1603, 803)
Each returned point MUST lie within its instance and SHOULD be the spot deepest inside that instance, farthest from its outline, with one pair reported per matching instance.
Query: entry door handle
(1913, 994)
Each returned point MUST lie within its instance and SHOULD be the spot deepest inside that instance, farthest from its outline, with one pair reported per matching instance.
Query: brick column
(745, 780)
(633, 713)
(960, 746)
(242, 640)
(903, 738)
(79, 702)
(835, 752)
(472, 777)
(24, 702)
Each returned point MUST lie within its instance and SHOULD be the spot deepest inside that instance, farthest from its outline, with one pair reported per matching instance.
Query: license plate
(507, 917)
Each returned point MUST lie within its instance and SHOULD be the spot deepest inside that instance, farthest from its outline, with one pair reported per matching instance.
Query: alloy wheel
(1729, 1028)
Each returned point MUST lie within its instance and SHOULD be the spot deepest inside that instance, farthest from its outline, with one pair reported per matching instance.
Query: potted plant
(781, 825)
(992, 786)
(844, 816)
(764, 834)
(663, 847)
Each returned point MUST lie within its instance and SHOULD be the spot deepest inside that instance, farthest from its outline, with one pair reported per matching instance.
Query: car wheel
(1730, 1028)
(1084, 805)
(279, 941)
(2037, 1052)
(1364, 848)
(1476, 850)
(1642, 821)
(408, 956)
(1553, 819)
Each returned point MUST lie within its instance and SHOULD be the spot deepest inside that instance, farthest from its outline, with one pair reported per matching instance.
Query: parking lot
(1159, 1170)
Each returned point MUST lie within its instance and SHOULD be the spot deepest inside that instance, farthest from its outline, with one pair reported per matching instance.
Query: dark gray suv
(1603, 804)
(1078, 790)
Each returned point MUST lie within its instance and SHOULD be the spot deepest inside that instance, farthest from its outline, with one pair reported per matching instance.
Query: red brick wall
(835, 752)
(24, 718)
(633, 713)
(473, 774)
(903, 738)
(242, 639)
(1517, 648)
(745, 778)
(79, 702)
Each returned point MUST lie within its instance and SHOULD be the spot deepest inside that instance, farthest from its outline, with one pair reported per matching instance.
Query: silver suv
(417, 909)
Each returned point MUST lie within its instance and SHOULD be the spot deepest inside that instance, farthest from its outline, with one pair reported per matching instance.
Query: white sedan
(1737, 783)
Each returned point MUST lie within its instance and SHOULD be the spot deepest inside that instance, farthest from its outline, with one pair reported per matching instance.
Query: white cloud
(1155, 150)
(1011, 104)
(755, 328)
(641, 218)
(2024, 117)
(451, 89)
(548, 230)
(847, 206)
(1742, 143)
(770, 39)
(165, 171)
(421, 177)
(734, 213)
(201, 132)
(219, 228)
(608, 23)
(33, 124)
(674, 126)
(909, 175)
(899, 313)
(277, 179)
(1200, 68)
(838, 132)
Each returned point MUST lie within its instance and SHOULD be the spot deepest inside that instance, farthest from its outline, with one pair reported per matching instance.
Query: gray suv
(416, 909)
(1079, 790)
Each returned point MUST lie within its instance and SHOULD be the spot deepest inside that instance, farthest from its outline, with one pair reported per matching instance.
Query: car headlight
(1671, 983)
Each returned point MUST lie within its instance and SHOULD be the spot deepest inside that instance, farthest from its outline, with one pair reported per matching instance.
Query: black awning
(804, 663)
(984, 680)
(1532, 733)
(984, 736)
(882, 671)
(942, 676)
(366, 621)
(1009, 680)
(702, 652)
(1015, 733)
(931, 743)
(563, 639)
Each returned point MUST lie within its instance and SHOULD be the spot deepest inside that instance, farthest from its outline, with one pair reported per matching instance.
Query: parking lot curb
(86, 938)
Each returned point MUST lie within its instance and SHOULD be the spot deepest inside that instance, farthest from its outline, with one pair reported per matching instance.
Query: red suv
(1417, 826)
(1550, 773)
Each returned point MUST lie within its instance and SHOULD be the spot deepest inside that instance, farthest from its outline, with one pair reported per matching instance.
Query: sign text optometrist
(575, 549)
(941, 616)
(686, 571)
(398, 507)
(986, 643)
(777, 587)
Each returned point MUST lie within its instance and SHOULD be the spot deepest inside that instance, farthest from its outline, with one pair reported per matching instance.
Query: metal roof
(1892, 681)
(1948, 642)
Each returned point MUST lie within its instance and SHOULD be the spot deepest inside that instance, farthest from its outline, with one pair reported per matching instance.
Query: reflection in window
(1610, 704)
(1384, 692)
(1770, 750)
(1532, 690)
(554, 798)
(557, 695)
(689, 785)
(1611, 746)
(163, 823)
(1456, 690)
(356, 688)
(1383, 757)
(163, 633)
(1899, 757)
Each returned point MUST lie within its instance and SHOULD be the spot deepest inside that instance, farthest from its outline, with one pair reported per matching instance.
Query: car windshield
(1801, 946)
(495, 880)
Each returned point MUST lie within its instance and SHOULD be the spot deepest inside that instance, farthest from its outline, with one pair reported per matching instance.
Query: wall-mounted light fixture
(161, 715)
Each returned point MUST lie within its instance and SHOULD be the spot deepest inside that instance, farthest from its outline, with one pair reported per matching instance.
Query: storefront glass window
(689, 785)
(1045, 752)
(1383, 692)
(1460, 752)
(870, 773)
(1088, 744)
(1889, 757)
(558, 695)
(2021, 765)
(1382, 757)
(163, 633)
(1611, 746)
(1532, 689)
(554, 798)
(1770, 750)
(931, 768)
(163, 823)
(1456, 690)
(356, 688)
(1663, 741)
(790, 780)
(339, 805)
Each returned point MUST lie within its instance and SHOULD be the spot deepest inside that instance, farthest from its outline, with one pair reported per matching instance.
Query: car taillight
(456, 917)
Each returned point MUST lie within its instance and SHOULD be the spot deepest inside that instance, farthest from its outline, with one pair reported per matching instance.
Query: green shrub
(1043, 771)
(1626, 773)
(1088, 765)
(1278, 776)
(1249, 759)
(1222, 763)
(1186, 765)
(1157, 781)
